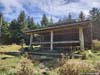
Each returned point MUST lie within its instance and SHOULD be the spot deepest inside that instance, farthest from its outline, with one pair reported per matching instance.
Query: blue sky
(52, 8)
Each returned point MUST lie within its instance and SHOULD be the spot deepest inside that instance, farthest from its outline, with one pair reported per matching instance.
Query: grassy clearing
(3, 55)
(10, 61)
(13, 48)
(10, 48)
(8, 65)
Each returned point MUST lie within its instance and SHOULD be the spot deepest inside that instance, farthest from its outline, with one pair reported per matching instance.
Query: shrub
(25, 67)
(88, 54)
(54, 72)
(96, 44)
(62, 60)
(97, 65)
(73, 67)
(5, 70)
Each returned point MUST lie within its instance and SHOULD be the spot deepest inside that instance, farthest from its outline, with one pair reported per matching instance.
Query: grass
(13, 48)
(3, 55)
(11, 61)
(8, 61)
(10, 48)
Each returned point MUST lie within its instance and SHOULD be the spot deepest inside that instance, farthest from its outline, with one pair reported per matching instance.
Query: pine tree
(44, 21)
(38, 26)
(60, 20)
(31, 23)
(21, 20)
(16, 34)
(93, 12)
(69, 19)
(16, 29)
(21, 23)
(51, 20)
(81, 16)
(5, 34)
(69, 16)
(13, 25)
(95, 19)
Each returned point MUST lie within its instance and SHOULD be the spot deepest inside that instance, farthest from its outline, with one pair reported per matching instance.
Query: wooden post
(51, 40)
(81, 38)
(31, 39)
(0, 25)
(91, 26)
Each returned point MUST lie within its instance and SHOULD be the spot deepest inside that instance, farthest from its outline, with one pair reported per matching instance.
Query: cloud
(55, 8)
(11, 8)
(61, 8)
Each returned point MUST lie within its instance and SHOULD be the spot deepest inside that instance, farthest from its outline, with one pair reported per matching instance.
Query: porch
(63, 37)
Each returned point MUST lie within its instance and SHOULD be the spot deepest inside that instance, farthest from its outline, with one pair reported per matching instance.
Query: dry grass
(3, 55)
(10, 61)
(13, 48)
(74, 67)
(96, 44)
(10, 48)
(25, 67)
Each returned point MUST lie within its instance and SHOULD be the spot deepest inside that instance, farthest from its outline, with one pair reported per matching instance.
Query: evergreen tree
(16, 34)
(17, 27)
(44, 21)
(70, 16)
(13, 25)
(22, 25)
(21, 20)
(81, 16)
(94, 11)
(69, 19)
(5, 34)
(94, 14)
(60, 20)
(31, 23)
(95, 19)
(51, 20)
(38, 26)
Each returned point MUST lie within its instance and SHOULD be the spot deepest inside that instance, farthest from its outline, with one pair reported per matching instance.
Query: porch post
(81, 38)
(31, 39)
(51, 40)
(0, 26)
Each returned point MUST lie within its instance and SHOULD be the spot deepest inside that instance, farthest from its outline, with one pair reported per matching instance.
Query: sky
(52, 8)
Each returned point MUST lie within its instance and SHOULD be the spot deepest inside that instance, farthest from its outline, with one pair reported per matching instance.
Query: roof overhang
(60, 27)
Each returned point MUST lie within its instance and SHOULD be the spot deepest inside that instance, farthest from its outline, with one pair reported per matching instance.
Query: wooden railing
(56, 42)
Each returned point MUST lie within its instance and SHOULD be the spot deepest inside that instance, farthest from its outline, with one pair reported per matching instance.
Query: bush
(62, 60)
(88, 54)
(96, 44)
(72, 67)
(97, 65)
(25, 67)
(5, 70)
